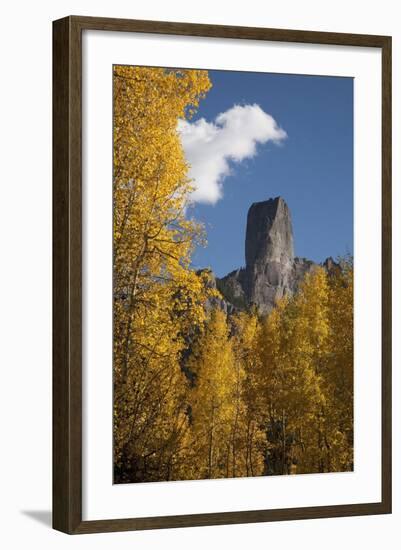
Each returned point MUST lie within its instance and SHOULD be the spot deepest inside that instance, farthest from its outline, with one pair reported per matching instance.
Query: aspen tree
(157, 297)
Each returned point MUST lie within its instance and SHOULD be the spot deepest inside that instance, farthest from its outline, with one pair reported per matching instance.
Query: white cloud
(210, 147)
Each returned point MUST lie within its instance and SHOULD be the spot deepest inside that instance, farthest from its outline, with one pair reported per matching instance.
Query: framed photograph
(222, 275)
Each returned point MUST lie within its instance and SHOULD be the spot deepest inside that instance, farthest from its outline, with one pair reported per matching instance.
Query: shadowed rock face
(271, 270)
(269, 233)
(269, 253)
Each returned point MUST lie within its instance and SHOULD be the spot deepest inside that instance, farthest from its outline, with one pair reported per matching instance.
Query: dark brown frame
(67, 261)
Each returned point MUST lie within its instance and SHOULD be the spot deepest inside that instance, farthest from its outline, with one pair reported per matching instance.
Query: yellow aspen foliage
(292, 342)
(212, 401)
(247, 437)
(305, 378)
(158, 299)
(338, 372)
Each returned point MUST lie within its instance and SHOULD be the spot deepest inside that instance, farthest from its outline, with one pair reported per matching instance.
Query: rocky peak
(269, 253)
(271, 270)
(269, 235)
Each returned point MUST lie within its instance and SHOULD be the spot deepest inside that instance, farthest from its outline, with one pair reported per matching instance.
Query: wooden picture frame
(67, 274)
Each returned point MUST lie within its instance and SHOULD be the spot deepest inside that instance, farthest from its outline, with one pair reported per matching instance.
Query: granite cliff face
(271, 270)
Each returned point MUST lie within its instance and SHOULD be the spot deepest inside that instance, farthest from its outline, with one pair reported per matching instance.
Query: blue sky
(312, 168)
